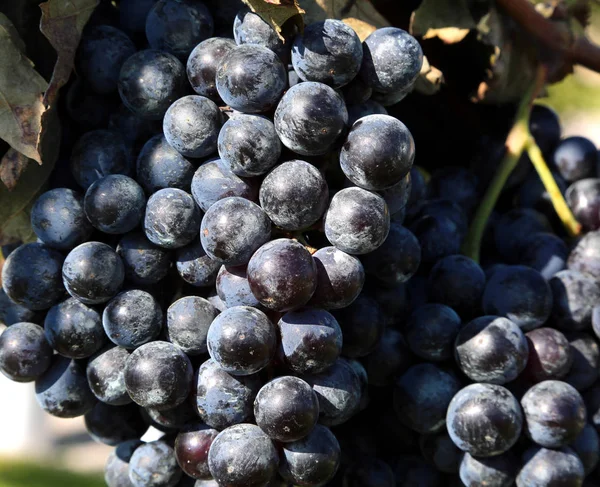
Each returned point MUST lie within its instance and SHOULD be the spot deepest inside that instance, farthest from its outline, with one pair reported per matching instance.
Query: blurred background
(37, 450)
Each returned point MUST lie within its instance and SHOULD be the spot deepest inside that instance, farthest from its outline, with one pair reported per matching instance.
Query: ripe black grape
(144, 262)
(191, 449)
(106, 375)
(202, 65)
(188, 321)
(24, 352)
(154, 465)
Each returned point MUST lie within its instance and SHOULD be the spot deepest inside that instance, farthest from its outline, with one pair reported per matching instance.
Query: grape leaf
(449, 20)
(277, 12)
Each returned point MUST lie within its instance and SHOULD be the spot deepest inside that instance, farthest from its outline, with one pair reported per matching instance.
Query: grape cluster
(266, 277)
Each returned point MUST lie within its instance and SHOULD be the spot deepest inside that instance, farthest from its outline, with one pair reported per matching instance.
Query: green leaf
(449, 20)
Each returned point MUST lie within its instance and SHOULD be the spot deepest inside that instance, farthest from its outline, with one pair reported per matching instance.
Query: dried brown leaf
(449, 20)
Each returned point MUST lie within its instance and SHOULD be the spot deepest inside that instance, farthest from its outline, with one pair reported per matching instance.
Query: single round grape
(233, 229)
(357, 221)
(491, 349)
(172, 218)
(422, 395)
(498, 471)
(311, 340)
(362, 325)
(223, 399)
(115, 204)
(160, 166)
(63, 390)
(234, 289)
(242, 340)
(97, 154)
(544, 125)
(443, 209)
(585, 256)
(250, 28)
(338, 389)
(514, 228)
(369, 107)
(392, 60)
(177, 26)
(58, 219)
(251, 78)
(203, 62)
(456, 184)
(520, 294)
(397, 259)
(543, 467)
(585, 368)
(329, 52)
(191, 126)
(249, 145)
(438, 236)
(294, 195)
(24, 352)
(310, 118)
(440, 450)
(550, 355)
(191, 449)
(390, 358)
(214, 181)
(378, 152)
(116, 470)
(457, 282)
(144, 262)
(93, 273)
(150, 81)
(574, 297)
(546, 253)
(282, 275)
(396, 197)
(158, 375)
(112, 425)
(132, 318)
(484, 420)
(340, 278)
(106, 375)
(74, 329)
(431, 331)
(242, 456)
(188, 321)
(194, 266)
(31, 276)
(576, 158)
(583, 197)
(102, 51)
(286, 409)
(154, 465)
(311, 461)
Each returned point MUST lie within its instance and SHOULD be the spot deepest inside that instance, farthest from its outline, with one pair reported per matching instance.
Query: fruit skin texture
(106, 375)
(243, 456)
(587, 448)
(310, 117)
(554, 413)
(191, 449)
(493, 429)
(498, 471)
(188, 321)
(24, 352)
(191, 126)
(150, 81)
(251, 78)
(286, 409)
(144, 262)
(116, 470)
(392, 60)
(112, 425)
(576, 158)
(329, 52)
(202, 65)
(378, 152)
(31, 276)
(357, 221)
(550, 355)
(586, 360)
(583, 197)
(585, 257)
(574, 297)
(154, 465)
(542, 467)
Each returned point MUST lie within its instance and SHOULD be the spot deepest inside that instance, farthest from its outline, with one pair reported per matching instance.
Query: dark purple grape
(438, 237)
(233, 229)
(106, 375)
(63, 390)
(498, 471)
(587, 448)
(24, 352)
(234, 289)
(222, 399)
(550, 355)
(11, 312)
(144, 262)
(158, 375)
(188, 321)
(173, 419)
(282, 275)
(202, 65)
(243, 456)
(514, 228)
(546, 253)
(340, 278)
(311, 340)
(74, 329)
(576, 158)
(456, 184)
(574, 297)
(132, 318)
(542, 466)
(31, 276)
(583, 197)
(154, 465)
(443, 209)
(194, 266)
(362, 325)
(484, 420)
(422, 395)
(93, 273)
(396, 197)
(112, 425)
(191, 449)
(286, 409)
(294, 195)
(431, 331)
(390, 358)
(116, 470)
(585, 256)
(544, 125)
(369, 107)
(390, 99)
(241, 340)
(586, 361)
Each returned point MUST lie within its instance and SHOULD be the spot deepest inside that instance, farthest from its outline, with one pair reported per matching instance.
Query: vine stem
(516, 143)
(559, 203)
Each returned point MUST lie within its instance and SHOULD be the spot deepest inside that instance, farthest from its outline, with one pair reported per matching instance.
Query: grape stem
(516, 143)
